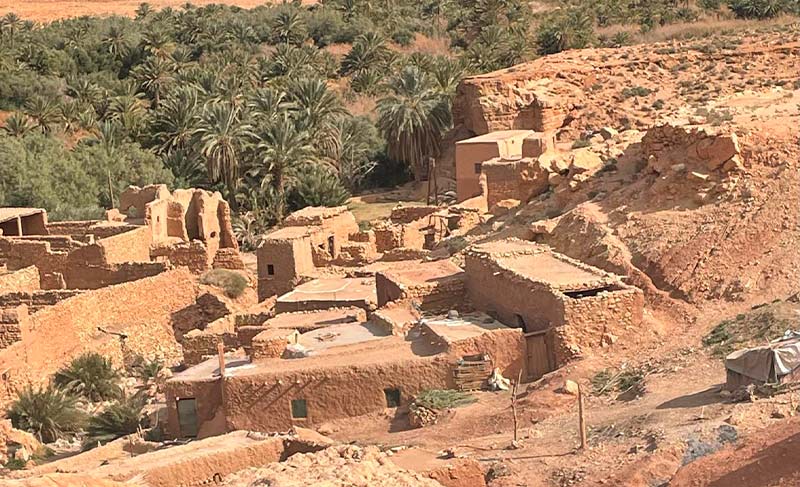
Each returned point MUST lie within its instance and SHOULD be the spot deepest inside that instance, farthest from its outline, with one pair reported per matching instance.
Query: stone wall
(271, 343)
(14, 324)
(407, 214)
(199, 345)
(582, 322)
(441, 295)
(130, 246)
(36, 300)
(193, 255)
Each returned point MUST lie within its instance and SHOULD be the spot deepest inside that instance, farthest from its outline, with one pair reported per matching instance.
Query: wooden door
(187, 417)
(540, 354)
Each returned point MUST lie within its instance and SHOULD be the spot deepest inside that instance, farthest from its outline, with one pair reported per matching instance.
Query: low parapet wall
(22, 280)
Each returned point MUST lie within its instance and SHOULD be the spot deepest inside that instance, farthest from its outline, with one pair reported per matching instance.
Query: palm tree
(84, 91)
(174, 120)
(18, 124)
(143, 10)
(413, 119)
(129, 111)
(280, 150)
(448, 73)
(11, 23)
(43, 111)
(153, 76)
(266, 105)
(222, 135)
(369, 51)
(49, 412)
(288, 27)
(158, 42)
(116, 42)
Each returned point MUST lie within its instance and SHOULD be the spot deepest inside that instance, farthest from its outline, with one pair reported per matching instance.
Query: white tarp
(767, 363)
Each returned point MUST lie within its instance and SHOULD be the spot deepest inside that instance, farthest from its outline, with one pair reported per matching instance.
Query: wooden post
(514, 389)
(221, 355)
(581, 419)
(19, 226)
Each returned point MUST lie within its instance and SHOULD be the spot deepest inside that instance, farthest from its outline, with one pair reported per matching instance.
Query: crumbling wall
(228, 258)
(138, 199)
(21, 253)
(271, 343)
(437, 295)
(142, 310)
(518, 180)
(199, 345)
(130, 246)
(36, 300)
(193, 255)
(407, 214)
(14, 324)
(86, 276)
(22, 280)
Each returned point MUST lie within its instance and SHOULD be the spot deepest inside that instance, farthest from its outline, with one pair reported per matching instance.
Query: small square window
(392, 397)
(270, 270)
(478, 167)
(299, 409)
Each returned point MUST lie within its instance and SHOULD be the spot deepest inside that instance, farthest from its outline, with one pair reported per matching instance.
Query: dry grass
(702, 28)
(362, 105)
(49, 10)
(435, 46)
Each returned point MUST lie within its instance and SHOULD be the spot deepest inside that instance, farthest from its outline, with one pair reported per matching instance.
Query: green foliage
(439, 399)
(91, 376)
(122, 417)
(633, 91)
(762, 324)
(232, 282)
(49, 413)
(148, 371)
(565, 29)
(624, 380)
(316, 185)
(759, 9)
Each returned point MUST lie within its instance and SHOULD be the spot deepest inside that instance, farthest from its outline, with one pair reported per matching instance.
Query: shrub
(90, 375)
(438, 399)
(757, 9)
(635, 91)
(316, 185)
(49, 413)
(229, 281)
(148, 371)
(121, 418)
(566, 29)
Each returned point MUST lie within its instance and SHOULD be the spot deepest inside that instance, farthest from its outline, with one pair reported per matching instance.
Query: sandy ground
(48, 10)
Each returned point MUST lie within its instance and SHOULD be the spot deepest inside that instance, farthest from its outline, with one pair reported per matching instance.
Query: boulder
(608, 133)
(570, 387)
(584, 160)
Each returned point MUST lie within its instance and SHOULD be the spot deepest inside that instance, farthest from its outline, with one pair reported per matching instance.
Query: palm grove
(253, 103)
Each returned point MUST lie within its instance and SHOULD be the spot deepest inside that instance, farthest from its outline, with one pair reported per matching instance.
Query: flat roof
(496, 136)
(539, 263)
(333, 289)
(464, 327)
(378, 350)
(316, 318)
(10, 213)
(424, 272)
(289, 233)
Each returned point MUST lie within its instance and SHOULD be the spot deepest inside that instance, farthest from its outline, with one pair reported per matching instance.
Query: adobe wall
(228, 258)
(20, 253)
(440, 295)
(407, 214)
(260, 403)
(142, 309)
(389, 236)
(506, 349)
(22, 280)
(198, 345)
(290, 260)
(138, 198)
(211, 420)
(130, 246)
(336, 222)
(516, 180)
(36, 300)
(589, 320)
(191, 471)
(193, 255)
(504, 294)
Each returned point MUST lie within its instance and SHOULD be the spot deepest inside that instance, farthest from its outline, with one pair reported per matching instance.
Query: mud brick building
(563, 305)
(346, 361)
(436, 286)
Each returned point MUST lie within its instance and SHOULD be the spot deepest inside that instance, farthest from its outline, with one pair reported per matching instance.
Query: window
(299, 409)
(477, 168)
(392, 397)
(331, 247)
(270, 270)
